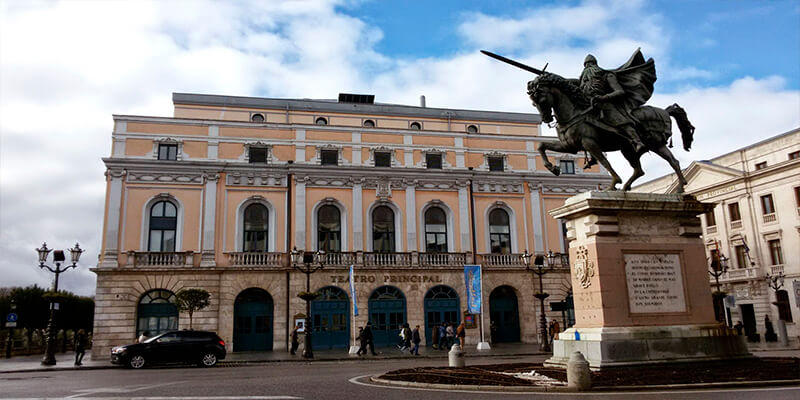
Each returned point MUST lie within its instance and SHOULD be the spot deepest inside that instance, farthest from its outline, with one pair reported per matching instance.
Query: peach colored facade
(219, 156)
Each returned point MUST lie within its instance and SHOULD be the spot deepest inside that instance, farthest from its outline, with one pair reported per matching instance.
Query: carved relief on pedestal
(584, 267)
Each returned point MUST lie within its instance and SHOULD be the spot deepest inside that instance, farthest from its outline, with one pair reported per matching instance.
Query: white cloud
(65, 67)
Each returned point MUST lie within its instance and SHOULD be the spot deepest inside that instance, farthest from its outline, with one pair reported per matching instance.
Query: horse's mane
(566, 86)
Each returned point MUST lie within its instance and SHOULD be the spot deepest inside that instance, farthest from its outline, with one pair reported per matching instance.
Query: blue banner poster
(472, 278)
(353, 292)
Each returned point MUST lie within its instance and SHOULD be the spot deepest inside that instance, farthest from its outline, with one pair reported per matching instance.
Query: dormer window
(369, 123)
(761, 165)
(321, 121)
(415, 126)
(472, 129)
(168, 152)
(257, 118)
(433, 160)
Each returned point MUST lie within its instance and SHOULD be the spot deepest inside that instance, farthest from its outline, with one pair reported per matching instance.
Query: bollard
(578, 375)
(456, 356)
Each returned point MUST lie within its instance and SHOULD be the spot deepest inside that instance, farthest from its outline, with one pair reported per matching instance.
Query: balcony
(776, 270)
(739, 274)
(736, 224)
(256, 259)
(711, 229)
(515, 260)
(770, 218)
(161, 258)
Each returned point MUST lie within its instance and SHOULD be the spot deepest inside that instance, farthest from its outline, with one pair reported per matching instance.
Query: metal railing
(776, 269)
(770, 218)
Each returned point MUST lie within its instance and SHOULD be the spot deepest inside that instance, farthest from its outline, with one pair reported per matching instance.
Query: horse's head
(542, 98)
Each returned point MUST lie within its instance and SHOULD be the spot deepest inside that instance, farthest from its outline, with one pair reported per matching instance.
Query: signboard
(353, 292)
(655, 283)
(472, 279)
(470, 321)
(11, 320)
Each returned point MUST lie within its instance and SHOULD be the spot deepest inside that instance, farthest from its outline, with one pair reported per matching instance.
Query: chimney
(422, 101)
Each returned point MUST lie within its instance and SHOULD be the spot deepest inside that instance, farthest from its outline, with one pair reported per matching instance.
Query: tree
(191, 300)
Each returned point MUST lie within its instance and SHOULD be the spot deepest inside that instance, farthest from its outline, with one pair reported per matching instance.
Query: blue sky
(67, 66)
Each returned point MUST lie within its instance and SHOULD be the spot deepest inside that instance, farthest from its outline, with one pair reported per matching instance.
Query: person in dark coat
(369, 338)
(435, 339)
(295, 339)
(80, 346)
(415, 338)
(362, 345)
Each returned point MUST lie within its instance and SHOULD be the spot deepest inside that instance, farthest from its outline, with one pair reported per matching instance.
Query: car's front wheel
(136, 361)
(208, 360)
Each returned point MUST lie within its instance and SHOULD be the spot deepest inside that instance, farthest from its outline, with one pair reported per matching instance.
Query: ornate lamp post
(58, 258)
(305, 263)
(542, 265)
(719, 266)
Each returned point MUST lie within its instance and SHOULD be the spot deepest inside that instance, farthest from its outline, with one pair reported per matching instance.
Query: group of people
(445, 335)
(407, 337)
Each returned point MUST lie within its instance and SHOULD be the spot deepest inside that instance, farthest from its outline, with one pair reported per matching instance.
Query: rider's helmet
(589, 58)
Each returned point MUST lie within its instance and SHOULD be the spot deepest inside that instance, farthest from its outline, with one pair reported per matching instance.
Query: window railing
(776, 269)
(736, 224)
(442, 259)
(161, 258)
(770, 218)
(711, 229)
(256, 258)
(372, 259)
(738, 274)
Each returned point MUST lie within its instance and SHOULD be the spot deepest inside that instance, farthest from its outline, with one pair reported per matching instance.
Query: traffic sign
(11, 317)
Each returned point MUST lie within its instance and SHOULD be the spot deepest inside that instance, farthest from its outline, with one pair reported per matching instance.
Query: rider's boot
(638, 146)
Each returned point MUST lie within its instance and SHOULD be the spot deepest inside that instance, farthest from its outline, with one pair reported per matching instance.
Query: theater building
(755, 226)
(217, 196)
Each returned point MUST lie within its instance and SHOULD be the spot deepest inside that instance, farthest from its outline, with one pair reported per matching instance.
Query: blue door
(330, 319)
(252, 321)
(441, 306)
(504, 315)
(387, 311)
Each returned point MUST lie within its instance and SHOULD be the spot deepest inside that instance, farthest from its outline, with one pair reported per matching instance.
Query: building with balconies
(755, 226)
(218, 195)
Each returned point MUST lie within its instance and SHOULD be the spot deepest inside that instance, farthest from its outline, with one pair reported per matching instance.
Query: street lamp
(542, 265)
(58, 258)
(305, 263)
(719, 266)
(10, 337)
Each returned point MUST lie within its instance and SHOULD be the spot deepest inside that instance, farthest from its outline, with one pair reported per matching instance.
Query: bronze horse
(579, 129)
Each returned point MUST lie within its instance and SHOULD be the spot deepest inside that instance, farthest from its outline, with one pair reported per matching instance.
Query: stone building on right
(754, 229)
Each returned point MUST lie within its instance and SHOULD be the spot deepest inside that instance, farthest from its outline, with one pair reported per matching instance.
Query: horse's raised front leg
(634, 159)
(664, 152)
(553, 146)
(597, 153)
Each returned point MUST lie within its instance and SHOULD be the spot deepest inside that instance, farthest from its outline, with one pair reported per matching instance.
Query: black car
(196, 347)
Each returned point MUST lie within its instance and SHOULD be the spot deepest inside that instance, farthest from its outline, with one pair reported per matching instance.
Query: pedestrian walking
(451, 335)
(443, 345)
(362, 345)
(295, 339)
(405, 337)
(80, 346)
(461, 334)
(369, 338)
(554, 330)
(415, 338)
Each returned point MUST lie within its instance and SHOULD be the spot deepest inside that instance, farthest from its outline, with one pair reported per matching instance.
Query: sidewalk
(65, 361)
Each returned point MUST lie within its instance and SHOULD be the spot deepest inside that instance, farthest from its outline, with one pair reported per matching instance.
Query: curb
(539, 389)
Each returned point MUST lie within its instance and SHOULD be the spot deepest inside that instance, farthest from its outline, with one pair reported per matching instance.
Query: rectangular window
(761, 165)
(329, 157)
(767, 207)
(168, 152)
(710, 219)
(257, 155)
(741, 257)
(433, 160)
(383, 159)
(567, 167)
(794, 155)
(733, 209)
(775, 253)
(496, 164)
(797, 196)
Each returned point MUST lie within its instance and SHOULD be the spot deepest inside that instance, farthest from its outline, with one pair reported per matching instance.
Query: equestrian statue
(604, 111)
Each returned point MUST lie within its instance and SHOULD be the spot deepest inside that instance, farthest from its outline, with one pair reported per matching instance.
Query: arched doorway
(252, 321)
(504, 313)
(441, 305)
(330, 320)
(387, 312)
(156, 313)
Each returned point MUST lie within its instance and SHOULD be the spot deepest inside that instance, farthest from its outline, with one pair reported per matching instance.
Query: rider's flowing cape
(636, 77)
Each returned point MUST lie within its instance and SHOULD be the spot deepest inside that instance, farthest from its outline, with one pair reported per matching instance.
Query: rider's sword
(514, 63)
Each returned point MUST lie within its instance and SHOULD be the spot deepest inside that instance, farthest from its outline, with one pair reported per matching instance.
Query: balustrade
(770, 218)
(256, 258)
(161, 258)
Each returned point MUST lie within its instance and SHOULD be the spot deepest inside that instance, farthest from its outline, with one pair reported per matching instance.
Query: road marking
(128, 389)
(636, 393)
(193, 398)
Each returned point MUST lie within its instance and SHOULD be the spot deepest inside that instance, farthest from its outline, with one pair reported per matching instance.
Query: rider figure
(605, 92)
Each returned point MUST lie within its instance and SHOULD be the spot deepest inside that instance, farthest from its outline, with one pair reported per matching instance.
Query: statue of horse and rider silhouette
(604, 111)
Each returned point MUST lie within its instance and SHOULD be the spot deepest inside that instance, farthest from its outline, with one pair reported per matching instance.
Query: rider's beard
(589, 75)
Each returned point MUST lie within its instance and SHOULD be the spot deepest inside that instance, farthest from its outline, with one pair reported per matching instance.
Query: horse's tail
(686, 127)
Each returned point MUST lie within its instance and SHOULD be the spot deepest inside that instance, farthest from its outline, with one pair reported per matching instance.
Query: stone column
(111, 251)
(411, 216)
(358, 215)
(536, 217)
(207, 256)
(464, 219)
(300, 213)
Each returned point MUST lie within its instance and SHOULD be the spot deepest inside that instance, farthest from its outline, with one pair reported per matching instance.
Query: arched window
(369, 123)
(499, 231)
(435, 230)
(156, 313)
(163, 223)
(383, 230)
(329, 228)
(256, 228)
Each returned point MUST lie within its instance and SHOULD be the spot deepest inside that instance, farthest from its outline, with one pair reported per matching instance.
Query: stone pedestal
(640, 282)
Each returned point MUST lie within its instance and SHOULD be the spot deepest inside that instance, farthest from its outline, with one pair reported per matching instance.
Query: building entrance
(441, 305)
(330, 320)
(749, 321)
(252, 321)
(504, 315)
(387, 312)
